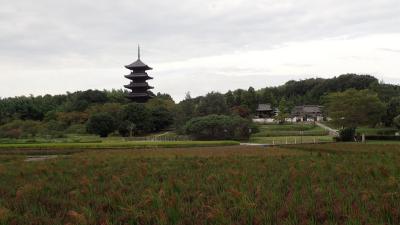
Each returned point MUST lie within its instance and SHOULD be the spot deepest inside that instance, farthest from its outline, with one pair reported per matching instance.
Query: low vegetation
(307, 184)
(279, 130)
(118, 145)
(295, 133)
(219, 127)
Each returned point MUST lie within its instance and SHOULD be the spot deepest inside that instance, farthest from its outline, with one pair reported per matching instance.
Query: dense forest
(82, 112)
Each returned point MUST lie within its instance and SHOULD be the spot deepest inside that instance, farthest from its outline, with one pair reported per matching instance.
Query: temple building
(139, 87)
(307, 113)
(265, 111)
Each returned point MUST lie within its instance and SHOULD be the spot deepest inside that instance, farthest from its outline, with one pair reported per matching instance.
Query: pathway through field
(39, 158)
(332, 131)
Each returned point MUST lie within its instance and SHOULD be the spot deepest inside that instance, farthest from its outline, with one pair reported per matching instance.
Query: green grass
(377, 131)
(118, 145)
(290, 133)
(276, 130)
(308, 184)
(68, 139)
(288, 127)
(367, 130)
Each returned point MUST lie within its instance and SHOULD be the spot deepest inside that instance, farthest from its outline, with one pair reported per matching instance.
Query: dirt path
(332, 131)
(39, 158)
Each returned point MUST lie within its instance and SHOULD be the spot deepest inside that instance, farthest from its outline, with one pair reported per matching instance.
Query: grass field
(290, 130)
(117, 144)
(290, 133)
(308, 184)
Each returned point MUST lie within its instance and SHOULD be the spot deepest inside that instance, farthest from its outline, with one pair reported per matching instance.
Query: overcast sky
(54, 46)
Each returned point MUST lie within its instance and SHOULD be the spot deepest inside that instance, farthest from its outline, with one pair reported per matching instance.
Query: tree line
(109, 112)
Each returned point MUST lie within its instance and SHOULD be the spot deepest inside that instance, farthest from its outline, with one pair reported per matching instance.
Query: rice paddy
(307, 184)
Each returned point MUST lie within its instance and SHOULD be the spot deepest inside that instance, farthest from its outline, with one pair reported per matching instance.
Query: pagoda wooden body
(139, 87)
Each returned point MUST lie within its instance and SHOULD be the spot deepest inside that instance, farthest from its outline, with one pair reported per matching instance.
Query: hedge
(382, 138)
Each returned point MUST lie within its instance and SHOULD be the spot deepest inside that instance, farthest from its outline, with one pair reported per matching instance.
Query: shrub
(382, 138)
(54, 129)
(21, 129)
(218, 127)
(347, 134)
(76, 129)
(126, 128)
(101, 123)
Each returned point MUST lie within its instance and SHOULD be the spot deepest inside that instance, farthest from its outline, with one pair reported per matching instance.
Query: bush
(21, 129)
(102, 124)
(382, 138)
(54, 129)
(76, 129)
(218, 127)
(347, 134)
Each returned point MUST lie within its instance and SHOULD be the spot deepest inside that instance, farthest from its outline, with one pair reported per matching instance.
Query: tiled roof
(264, 107)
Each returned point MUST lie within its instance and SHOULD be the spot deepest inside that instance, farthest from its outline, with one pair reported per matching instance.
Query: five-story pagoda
(139, 87)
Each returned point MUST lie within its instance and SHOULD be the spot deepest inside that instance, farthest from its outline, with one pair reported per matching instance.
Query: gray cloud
(91, 35)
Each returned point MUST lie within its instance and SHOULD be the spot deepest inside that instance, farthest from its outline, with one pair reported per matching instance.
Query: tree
(69, 118)
(238, 94)
(218, 127)
(267, 97)
(184, 111)
(117, 96)
(282, 111)
(250, 99)
(241, 111)
(230, 99)
(102, 124)
(393, 110)
(161, 100)
(138, 115)
(212, 103)
(396, 121)
(161, 118)
(353, 108)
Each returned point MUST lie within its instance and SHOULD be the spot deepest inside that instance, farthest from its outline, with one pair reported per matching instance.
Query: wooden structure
(265, 111)
(139, 87)
(307, 113)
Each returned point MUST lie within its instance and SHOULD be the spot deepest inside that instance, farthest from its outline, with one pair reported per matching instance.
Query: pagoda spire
(138, 51)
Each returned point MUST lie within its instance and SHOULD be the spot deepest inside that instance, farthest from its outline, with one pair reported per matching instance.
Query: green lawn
(290, 130)
(307, 184)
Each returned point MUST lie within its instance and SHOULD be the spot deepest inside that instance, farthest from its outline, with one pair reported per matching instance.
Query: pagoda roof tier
(138, 64)
(134, 85)
(139, 95)
(138, 75)
(146, 93)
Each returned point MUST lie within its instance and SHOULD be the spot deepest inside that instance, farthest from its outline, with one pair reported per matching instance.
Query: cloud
(82, 42)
